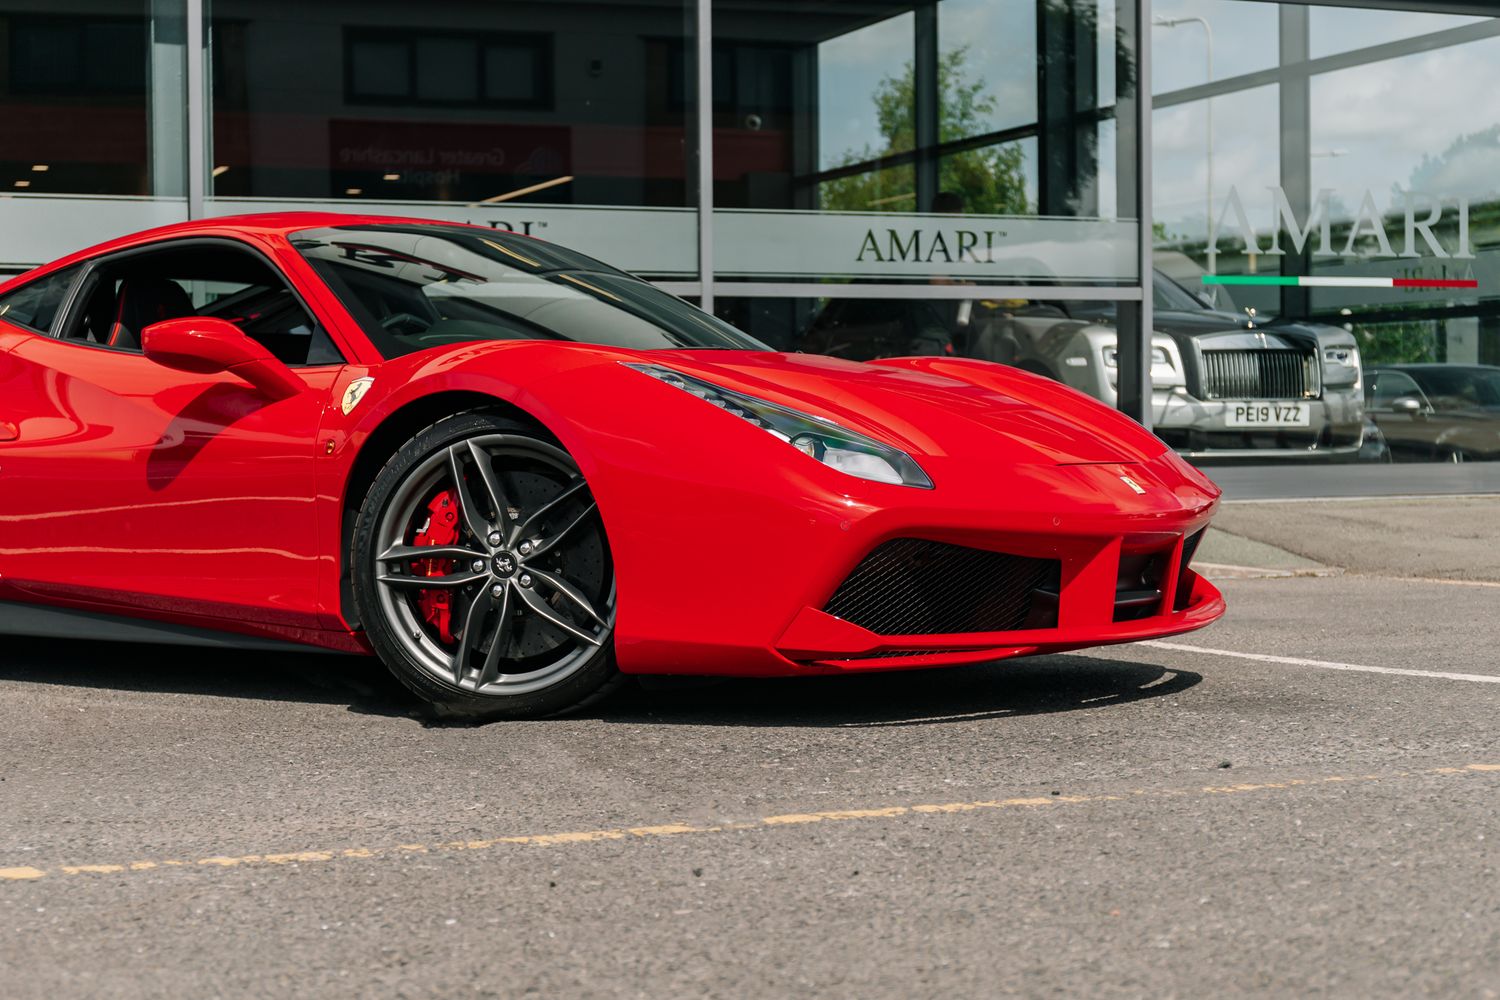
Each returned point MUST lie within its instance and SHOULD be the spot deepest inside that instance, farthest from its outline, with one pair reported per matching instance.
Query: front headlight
(1158, 357)
(1341, 365)
(837, 447)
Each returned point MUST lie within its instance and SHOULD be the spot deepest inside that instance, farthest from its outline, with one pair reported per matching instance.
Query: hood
(1185, 327)
(972, 411)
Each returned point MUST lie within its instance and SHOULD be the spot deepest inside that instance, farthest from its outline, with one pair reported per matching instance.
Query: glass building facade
(865, 178)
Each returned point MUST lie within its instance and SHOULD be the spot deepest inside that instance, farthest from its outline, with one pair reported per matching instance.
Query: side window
(1391, 386)
(35, 306)
(127, 294)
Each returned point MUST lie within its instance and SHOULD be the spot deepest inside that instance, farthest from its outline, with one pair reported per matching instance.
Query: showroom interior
(868, 178)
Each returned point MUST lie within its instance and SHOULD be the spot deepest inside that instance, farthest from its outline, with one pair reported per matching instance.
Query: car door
(129, 486)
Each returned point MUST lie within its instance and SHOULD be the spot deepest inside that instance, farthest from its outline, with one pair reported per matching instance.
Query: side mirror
(1407, 404)
(203, 344)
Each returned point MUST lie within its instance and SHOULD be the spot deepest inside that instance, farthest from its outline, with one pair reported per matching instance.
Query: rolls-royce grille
(1259, 373)
(909, 586)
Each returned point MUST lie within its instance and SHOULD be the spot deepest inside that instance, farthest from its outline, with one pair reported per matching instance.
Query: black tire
(538, 662)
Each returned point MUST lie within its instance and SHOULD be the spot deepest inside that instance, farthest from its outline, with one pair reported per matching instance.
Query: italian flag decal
(1305, 281)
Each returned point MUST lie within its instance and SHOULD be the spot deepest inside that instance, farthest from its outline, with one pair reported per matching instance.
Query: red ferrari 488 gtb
(515, 474)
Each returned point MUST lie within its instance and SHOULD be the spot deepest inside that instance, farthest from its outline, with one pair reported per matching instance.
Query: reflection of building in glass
(954, 176)
(1341, 156)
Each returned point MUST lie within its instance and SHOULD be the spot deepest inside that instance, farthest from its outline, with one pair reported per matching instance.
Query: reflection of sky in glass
(1001, 39)
(1340, 29)
(1245, 40)
(1385, 127)
(1246, 155)
(1374, 126)
(850, 68)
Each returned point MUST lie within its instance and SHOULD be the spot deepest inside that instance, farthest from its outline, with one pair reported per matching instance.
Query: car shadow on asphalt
(311, 678)
(1028, 686)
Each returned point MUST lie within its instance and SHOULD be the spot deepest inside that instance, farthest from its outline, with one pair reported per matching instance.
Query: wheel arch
(383, 441)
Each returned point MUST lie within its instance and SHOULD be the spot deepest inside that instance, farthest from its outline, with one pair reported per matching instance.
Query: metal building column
(704, 48)
(1133, 118)
(1296, 148)
(198, 167)
(928, 102)
(167, 96)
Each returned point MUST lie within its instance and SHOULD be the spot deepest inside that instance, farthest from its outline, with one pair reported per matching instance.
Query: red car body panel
(135, 489)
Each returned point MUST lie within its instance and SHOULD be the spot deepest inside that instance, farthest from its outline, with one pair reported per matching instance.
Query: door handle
(8, 431)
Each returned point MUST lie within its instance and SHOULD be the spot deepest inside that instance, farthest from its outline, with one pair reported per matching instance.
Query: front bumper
(1199, 428)
(757, 604)
(1088, 606)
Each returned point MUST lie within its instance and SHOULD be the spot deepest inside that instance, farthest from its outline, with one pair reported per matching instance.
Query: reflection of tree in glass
(1470, 166)
(990, 181)
(1397, 343)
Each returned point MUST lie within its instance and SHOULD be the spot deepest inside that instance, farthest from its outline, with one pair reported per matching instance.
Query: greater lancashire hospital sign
(663, 242)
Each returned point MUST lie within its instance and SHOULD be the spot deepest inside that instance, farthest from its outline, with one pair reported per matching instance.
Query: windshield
(417, 286)
(1461, 388)
(1166, 296)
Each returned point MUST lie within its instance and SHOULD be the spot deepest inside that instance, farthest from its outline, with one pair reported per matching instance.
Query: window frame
(541, 43)
(1374, 402)
(69, 311)
(77, 24)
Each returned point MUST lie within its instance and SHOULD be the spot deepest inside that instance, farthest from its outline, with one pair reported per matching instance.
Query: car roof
(1427, 366)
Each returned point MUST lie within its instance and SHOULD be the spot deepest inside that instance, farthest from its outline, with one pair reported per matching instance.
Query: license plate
(1267, 415)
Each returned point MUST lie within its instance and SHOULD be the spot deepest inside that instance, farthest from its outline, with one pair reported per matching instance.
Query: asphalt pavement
(1301, 800)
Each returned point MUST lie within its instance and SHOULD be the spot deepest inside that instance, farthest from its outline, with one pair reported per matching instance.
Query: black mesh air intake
(909, 586)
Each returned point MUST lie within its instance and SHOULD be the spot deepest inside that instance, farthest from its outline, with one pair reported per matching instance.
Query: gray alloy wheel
(486, 577)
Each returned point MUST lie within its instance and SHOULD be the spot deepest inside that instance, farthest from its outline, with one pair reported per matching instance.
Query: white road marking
(1297, 661)
(1443, 580)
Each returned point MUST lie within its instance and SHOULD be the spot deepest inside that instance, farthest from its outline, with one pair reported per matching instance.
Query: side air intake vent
(1184, 581)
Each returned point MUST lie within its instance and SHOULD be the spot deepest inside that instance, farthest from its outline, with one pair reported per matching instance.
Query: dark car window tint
(412, 287)
(1455, 389)
(1489, 388)
(1387, 387)
(35, 306)
(129, 293)
(1167, 294)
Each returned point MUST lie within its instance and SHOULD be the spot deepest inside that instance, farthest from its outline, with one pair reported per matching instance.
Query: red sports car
(515, 474)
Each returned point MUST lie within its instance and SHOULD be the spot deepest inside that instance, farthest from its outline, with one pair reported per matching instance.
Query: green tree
(991, 181)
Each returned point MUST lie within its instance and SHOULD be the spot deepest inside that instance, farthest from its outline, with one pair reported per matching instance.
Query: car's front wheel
(483, 574)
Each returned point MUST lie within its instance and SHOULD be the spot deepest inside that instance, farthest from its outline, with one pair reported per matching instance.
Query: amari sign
(988, 249)
(1423, 225)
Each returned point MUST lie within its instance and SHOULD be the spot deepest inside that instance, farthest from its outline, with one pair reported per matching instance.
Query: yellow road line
(26, 873)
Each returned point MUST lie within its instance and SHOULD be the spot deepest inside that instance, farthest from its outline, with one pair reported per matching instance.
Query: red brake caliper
(441, 529)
